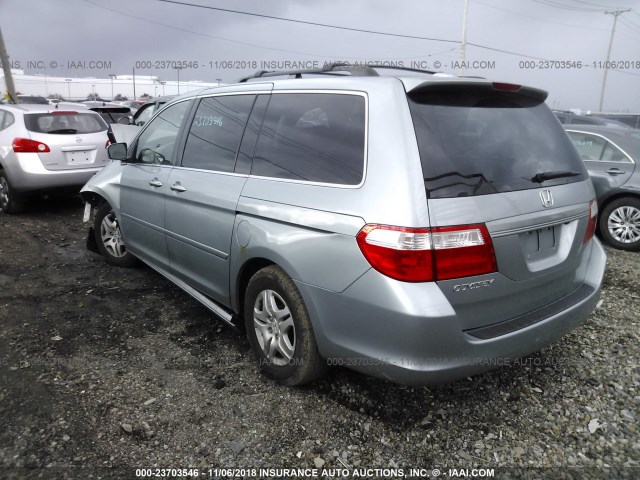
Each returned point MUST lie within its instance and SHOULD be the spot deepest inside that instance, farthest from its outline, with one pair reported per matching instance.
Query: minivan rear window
(69, 123)
(316, 137)
(476, 141)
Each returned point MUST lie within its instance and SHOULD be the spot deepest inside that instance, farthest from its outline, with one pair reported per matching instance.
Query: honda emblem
(547, 198)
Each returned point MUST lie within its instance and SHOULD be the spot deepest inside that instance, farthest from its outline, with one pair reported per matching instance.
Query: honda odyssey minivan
(414, 226)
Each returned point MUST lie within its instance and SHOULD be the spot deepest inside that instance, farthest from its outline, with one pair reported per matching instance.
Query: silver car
(413, 226)
(45, 148)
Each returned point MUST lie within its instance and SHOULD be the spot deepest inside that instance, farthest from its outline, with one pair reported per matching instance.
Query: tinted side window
(611, 153)
(589, 146)
(156, 143)
(316, 137)
(2, 119)
(216, 131)
(251, 131)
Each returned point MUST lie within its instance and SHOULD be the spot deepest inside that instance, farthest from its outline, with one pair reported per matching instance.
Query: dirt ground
(104, 371)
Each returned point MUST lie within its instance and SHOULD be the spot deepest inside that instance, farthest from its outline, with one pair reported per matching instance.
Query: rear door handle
(155, 183)
(615, 171)
(176, 187)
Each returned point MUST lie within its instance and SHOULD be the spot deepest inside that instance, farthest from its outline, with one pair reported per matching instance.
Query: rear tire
(279, 329)
(620, 224)
(109, 240)
(10, 201)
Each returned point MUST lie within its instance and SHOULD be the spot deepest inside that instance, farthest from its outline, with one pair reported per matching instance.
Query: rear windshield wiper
(64, 130)
(544, 176)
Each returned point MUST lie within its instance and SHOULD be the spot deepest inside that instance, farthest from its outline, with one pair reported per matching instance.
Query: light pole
(178, 69)
(463, 43)
(615, 14)
(111, 76)
(163, 87)
(68, 80)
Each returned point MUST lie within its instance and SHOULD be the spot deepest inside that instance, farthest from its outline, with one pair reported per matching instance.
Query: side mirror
(125, 120)
(117, 151)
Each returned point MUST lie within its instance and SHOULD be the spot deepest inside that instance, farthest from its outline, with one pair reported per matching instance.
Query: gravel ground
(105, 370)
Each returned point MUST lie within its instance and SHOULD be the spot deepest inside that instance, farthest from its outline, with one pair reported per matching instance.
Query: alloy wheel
(624, 224)
(274, 327)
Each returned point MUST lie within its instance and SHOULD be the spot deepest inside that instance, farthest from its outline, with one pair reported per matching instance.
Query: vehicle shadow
(512, 387)
(54, 204)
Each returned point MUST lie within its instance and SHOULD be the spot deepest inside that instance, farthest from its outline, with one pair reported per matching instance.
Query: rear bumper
(26, 173)
(409, 333)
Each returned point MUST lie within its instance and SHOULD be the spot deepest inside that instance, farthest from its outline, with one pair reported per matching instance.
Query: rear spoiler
(504, 90)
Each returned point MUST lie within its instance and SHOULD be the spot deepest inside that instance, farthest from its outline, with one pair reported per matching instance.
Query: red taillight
(591, 225)
(26, 145)
(107, 144)
(507, 87)
(400, 253)
(428, 254)
(463, 251)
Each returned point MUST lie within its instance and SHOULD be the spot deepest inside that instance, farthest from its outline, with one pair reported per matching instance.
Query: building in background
(70, 88)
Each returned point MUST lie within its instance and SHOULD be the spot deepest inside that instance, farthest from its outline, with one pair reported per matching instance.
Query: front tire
(109, 239)
(10, 202)
(279, 329)
(620, 224)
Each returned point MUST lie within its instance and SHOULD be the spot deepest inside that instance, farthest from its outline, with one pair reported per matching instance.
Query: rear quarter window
(64, 123)
(6, 119)
(315, 137)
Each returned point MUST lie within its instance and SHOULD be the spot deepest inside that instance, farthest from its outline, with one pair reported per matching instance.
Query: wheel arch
(248, 269)
(613, 197)
(93, 198)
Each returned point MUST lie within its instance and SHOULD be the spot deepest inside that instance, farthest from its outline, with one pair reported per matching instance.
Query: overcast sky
(229, 45)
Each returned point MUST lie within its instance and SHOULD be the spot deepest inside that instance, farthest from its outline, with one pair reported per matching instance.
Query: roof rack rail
(337, 68)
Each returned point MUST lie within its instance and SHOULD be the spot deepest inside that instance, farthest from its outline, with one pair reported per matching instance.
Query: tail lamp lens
(591, 225)
(26, 145)
(428, 254)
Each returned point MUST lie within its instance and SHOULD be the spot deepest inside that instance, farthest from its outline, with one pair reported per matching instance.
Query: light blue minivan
(414, 226)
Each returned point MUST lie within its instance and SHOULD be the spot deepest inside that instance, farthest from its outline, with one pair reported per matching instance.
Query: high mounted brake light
(428, 254)
(64, 112)
(506, 87)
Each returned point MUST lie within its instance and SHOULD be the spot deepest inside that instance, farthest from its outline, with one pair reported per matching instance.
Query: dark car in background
(631, 119)
(110, 112)
(570, 118)
(610, 155)
(148, 109)
(134, 105)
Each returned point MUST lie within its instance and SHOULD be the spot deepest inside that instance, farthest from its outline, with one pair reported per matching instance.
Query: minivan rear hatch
(75, 139)
(494, 154)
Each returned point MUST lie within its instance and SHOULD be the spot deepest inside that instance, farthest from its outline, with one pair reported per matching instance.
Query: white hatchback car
(44, 148)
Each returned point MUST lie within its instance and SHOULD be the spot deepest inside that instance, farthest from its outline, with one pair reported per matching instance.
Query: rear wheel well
(616, 196)
(247, 271)
(613, 198)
